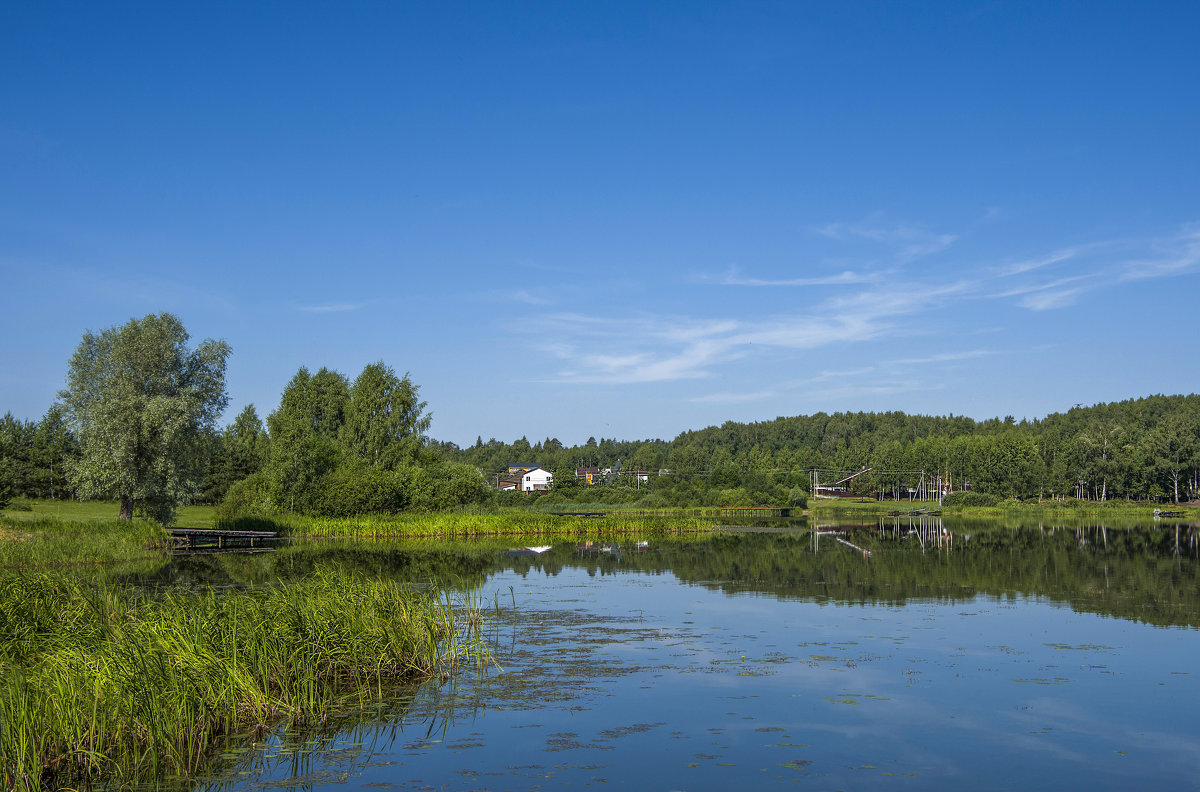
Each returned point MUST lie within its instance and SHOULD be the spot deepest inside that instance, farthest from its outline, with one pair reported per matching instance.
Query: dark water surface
(950, 656)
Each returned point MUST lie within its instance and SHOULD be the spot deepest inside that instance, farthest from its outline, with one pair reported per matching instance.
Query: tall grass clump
(49, 541)
(457, 525)
(101, 682)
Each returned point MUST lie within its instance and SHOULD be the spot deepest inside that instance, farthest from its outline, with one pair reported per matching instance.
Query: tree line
(1147, 448)
(137, 424)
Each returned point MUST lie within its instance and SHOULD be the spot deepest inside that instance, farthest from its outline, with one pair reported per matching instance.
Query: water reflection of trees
(456, 565)
(1143, 574)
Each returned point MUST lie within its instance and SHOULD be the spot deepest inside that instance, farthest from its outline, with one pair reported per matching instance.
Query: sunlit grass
(47, 541)
(99, 681)
(827, 506)
(526, 524)
(187, 516)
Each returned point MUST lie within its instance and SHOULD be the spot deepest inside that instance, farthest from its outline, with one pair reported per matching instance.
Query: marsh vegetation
(105, 674)
(152, 668)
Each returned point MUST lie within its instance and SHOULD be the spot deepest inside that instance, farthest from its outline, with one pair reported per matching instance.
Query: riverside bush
(957, 500)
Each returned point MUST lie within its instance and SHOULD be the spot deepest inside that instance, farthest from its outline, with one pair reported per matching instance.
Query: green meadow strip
(96, 681)
(524, 524)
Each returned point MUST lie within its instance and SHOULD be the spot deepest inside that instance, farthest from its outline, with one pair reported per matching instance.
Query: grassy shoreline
(1006, 508)
(465, 526)
(538, 521)
(99, 680)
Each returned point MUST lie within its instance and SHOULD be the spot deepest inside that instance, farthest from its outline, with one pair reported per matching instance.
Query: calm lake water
(922, 656)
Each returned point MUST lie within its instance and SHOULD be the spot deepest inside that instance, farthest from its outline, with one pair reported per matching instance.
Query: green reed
(449, 525)
(48, 541)
(96, 680)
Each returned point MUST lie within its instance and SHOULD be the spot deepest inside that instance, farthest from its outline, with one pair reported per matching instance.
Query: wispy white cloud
(1047, 300)
(660, 350)
(944, 357)
(876, 388)
(733, 278)
(1175, 256)
(331, 308)
(734, 398)
(782, 388)
(1048, 286)
(825, 375)
(1107, 263)
(669, 349)
(908, 242)
(608, 349)
(1029, 265)
(523, 296)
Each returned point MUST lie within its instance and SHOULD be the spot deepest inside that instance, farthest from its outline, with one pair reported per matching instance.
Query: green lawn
(188, 516)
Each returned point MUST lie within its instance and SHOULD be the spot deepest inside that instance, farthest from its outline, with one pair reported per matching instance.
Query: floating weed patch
(852, 701)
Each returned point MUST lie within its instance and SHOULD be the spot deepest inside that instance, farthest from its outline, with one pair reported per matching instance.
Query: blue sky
(613, 219)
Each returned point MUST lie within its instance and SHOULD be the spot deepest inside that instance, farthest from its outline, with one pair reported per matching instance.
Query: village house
(537, 479)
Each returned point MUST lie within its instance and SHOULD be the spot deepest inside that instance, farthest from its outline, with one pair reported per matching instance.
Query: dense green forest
(137, 423)
(1142, 448)
(338, 447)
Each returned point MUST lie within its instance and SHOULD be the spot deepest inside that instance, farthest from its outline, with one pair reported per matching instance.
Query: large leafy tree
(143, 406)
(385, 421)
(304, 435)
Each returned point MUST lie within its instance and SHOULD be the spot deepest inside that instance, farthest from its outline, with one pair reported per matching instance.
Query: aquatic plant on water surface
(99, 681)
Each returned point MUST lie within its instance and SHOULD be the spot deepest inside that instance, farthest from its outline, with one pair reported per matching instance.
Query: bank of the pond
(1002, 508)
(451, 525)
(47, 541)
(102, 680)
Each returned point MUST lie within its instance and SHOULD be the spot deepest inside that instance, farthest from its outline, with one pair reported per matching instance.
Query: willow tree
(142, 405)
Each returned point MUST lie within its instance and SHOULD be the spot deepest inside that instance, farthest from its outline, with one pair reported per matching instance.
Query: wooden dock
(197, 537)
(584, 515)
